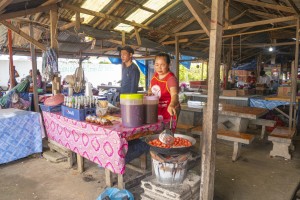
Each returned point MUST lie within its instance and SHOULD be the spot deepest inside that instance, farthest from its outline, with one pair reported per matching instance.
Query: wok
(170, 151)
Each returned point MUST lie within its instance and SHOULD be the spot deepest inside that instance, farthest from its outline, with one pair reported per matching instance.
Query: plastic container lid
(152, 97)
(131, 96)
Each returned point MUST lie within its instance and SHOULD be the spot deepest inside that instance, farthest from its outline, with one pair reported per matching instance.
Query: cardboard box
(284, 91)
(241, 92)
(230, 93)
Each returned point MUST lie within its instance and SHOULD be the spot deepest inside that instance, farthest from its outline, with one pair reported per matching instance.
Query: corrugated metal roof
(168, 23)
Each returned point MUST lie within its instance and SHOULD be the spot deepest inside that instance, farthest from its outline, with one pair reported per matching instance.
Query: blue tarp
(186, 61)
(140, 63)
(251, 66)
(142, 66)
(115, 60)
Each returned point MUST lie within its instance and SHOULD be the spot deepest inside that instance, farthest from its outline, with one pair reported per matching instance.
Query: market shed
(78, 29)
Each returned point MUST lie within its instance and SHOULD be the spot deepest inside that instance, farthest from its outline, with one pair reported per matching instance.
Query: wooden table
(103, 145)
(232, 117)
(236, 118)
(280, 98)
(190, 116)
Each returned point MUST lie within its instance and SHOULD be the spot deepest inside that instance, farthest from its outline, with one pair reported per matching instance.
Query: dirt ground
(254, 176)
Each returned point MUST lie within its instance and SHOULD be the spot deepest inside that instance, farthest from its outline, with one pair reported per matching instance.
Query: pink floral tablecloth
(106, 146)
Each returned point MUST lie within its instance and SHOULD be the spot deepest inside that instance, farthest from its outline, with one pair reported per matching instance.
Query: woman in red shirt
(164, 84)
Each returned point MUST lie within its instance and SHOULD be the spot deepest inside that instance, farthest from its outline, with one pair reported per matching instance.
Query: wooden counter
(280, 98)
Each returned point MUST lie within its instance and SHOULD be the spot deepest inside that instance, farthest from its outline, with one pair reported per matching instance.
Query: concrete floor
(254, 176)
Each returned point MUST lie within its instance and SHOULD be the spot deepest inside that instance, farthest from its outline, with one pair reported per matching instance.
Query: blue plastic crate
(77, 114)
(72, 113)
(50, 108)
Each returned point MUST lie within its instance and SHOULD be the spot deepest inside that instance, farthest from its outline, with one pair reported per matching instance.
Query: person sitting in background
(39, 82)
(264, 79)
(29, 77)
(251, 80)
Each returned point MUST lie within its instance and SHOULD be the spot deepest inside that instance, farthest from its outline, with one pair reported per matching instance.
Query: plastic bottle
(150, 109)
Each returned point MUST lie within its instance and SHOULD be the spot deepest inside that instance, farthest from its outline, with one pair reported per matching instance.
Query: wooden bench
(185, 128)
(281, 138)
(54, 146)
(263, 123)
(236, 137)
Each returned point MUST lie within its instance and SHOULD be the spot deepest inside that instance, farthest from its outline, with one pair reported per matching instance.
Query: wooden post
(54, 42)
(212, 107)
(123, 38)
(294, 74)
(177, 56)
(34, 72)
(53, 29)
(11, 63)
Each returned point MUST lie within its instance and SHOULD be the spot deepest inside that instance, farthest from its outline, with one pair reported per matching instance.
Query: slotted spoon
(167, 136)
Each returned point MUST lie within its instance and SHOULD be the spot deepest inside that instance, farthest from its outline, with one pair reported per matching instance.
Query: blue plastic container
(77, 114)
(50, 108)
(72, 113)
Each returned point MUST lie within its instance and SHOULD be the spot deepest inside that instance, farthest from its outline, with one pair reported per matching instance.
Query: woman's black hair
(165, 55)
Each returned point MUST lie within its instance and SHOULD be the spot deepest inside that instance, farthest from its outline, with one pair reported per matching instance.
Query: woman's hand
(171, 110)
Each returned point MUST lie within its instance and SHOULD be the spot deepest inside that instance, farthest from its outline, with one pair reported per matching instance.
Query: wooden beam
(111, 10)
(292, 3)
(34, 72)
(22, 13)
(177, 58)
(24, 35)
(227, 2)
(12, 74)
(53, 29)
(238, 16)
(103, 15)
(182, 26)
(159, 14)
(49, 2)
(199, 15)
(195, 32)
(174, 41)
(138, 38)
(77, 21)
(69, 25)
(123, 38)
(208, 152)
(251, 32)
(262, 22)
(263, 14)
(3, 5)
(98, 50)
(267, 5)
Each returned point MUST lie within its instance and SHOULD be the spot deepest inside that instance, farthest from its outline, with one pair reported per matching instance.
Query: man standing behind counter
(130, 72)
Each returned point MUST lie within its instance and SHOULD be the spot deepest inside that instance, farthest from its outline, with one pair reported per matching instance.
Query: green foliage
(142, 82)
(192, 74)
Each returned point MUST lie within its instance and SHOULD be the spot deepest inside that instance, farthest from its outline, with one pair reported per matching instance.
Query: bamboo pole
(211, 112)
